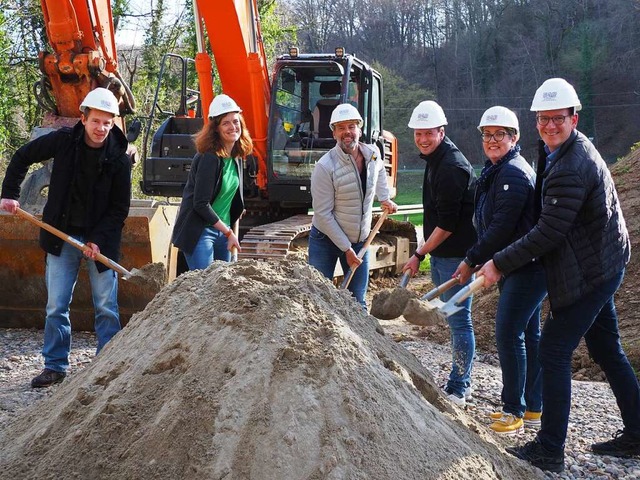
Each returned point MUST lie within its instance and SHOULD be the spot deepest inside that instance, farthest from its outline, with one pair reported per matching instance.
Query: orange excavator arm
(83, 55)
(236, 42)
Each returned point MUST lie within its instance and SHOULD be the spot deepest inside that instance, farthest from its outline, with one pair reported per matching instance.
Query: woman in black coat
(504, 211)
(212, 199)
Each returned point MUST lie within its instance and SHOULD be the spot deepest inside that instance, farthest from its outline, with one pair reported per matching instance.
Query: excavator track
(389, 251)
(273, 240)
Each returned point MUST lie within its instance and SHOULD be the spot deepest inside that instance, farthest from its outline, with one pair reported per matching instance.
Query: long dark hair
(208, 139)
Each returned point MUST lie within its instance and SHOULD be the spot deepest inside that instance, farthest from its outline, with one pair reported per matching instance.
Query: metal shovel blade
(452, 306)
(152, 275)
(432, 295)
(404, 281)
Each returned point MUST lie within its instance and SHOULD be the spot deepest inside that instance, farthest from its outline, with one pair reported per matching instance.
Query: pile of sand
(251, 371)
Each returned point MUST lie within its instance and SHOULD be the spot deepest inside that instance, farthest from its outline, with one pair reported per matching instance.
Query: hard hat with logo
(427, 114)
(222, 104)
(100, 99)
(554, 94)
(345, 112)
(499, 117)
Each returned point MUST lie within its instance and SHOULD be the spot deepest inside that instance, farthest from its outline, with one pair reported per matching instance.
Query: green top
(230, 182)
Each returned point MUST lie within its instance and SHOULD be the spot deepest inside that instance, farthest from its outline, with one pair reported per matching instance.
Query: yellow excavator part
(23, 294)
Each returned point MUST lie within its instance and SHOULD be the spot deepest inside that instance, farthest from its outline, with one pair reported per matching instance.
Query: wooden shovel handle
(439, 290)
(72, 241)
(236, 232)
(363, 250)
(463, 294)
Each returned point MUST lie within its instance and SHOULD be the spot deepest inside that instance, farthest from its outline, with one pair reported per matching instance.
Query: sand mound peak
(250, 371)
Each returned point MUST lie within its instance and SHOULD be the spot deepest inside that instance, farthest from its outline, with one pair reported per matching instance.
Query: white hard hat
(222, 104)
(100, 99)
(499, 117)
(343, 113)
(427, 114)
(554, 94)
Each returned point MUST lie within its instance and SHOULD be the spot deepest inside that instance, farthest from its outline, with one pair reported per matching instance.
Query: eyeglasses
(556, 119)
(498, 136)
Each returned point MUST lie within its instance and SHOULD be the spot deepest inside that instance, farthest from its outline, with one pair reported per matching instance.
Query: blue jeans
(518, 336)
(463, 341)
(593, 317)
(61, 276)
(212, 245)
(323, 255)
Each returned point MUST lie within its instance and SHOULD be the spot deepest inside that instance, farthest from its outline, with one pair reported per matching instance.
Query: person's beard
(348, 144)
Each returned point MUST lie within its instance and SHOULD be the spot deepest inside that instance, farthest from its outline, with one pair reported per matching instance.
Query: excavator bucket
(23, 295)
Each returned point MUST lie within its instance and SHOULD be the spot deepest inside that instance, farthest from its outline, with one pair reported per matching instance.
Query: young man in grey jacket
(582, 241)
(343, 185)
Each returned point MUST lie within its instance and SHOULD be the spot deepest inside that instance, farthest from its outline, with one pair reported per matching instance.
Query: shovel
(236, 232)
(426, 310)
(430, 310)
(432, 295)
(126, 274)
(389, 304)
(452, 306)
(363, 250)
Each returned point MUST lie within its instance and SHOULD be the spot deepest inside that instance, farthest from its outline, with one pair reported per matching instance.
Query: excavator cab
(167, 161)
(305, 90)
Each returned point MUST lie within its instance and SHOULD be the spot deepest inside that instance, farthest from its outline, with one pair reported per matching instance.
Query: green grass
(409, 187)
(409, 192)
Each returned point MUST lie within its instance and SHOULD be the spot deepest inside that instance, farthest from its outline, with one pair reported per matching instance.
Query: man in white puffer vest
(343, 186)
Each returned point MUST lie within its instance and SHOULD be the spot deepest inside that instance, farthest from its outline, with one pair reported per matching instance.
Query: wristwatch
(469, 263)
(419, 256)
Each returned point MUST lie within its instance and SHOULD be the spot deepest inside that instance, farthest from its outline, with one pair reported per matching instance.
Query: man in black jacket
(89, 196)
(447, 198)
(582, 241)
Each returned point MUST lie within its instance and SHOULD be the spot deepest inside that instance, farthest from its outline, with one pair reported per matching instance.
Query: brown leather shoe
(47, 378)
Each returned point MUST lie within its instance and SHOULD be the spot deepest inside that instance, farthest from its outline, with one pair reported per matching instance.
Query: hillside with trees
(472, 54)
(466, 54)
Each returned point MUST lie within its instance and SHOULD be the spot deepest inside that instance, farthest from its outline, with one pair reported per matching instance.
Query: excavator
(286, 112)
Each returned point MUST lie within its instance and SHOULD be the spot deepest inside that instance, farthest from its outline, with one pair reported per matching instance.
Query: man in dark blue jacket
(89, 197)
(447, 198)
(582, 241)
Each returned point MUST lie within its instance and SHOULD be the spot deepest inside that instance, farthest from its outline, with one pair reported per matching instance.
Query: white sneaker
(468, 393)
(453, 398)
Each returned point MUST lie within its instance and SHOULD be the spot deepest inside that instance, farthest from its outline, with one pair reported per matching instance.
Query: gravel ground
(594, 415)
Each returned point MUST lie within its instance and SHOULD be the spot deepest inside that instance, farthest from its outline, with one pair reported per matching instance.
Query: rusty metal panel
(23, 295)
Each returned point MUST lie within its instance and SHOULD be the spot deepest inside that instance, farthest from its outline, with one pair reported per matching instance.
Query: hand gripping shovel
(363, 250)
(126, 274)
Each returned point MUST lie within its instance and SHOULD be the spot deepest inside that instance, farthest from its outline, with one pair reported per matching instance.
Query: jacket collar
(116, 143)
(367, 152)
(562, 150)
(439, 152)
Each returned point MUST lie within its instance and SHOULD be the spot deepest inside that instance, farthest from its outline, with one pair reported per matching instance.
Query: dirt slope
(251, 371)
